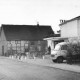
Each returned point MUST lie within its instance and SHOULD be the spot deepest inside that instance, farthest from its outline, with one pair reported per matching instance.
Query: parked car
(66, 51)
(60, 52)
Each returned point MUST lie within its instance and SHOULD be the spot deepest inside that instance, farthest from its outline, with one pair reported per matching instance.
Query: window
(64, 47)
(39, 42)
(9, 45)
(12, 42)
(9, 42)
(22, 43)
(18, 45)
(13, 45)
(57, 47)
(18, 48)
(26, 42)
(32, 48)
(17, 42)
(26, 45)
(32, 43)
(14, 48)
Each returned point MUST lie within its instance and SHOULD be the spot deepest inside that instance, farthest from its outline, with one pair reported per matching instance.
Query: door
(3, 50)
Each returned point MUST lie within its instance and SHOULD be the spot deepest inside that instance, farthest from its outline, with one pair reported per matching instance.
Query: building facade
(71, 29)
(20, 39)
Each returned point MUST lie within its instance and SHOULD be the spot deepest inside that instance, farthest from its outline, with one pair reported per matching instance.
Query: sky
(46, 12)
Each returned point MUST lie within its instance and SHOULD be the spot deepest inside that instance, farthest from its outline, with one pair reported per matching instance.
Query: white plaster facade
(70, 29)
(78, 27)
(50, 43)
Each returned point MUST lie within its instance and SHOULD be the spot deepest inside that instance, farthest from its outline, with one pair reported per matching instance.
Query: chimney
(37, 23)
(62, 21)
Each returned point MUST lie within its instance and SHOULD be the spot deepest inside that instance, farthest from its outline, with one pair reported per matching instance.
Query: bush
(73, 53)
(73, 49)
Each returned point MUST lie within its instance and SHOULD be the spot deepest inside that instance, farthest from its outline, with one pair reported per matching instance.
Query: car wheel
(54, 60)
(60, 59)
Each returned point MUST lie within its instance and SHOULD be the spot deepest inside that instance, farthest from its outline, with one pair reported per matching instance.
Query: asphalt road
(17, 70)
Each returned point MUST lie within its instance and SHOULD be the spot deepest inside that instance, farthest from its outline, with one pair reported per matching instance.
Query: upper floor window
(32, 43)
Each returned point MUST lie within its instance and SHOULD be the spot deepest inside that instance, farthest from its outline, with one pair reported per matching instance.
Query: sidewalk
(49, 63)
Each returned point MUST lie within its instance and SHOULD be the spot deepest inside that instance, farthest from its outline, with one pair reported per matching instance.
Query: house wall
(69, 29)
(3, 43)
(32, 47)
(0, 47)
(78, 21)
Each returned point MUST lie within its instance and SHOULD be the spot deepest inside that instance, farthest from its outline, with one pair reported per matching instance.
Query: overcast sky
(46, 12)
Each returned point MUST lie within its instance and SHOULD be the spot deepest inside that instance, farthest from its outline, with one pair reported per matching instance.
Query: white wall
(51, 44)
(79, 28)
(69, 29)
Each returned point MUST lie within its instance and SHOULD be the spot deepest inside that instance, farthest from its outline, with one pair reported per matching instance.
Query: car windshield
(57, 47)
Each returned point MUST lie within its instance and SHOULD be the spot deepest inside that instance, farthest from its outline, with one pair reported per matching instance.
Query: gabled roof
(76, 18)
(26, 32)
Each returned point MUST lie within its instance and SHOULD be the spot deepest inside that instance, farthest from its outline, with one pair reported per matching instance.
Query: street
(11, 69)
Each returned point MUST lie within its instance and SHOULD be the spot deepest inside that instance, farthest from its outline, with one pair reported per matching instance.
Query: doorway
(2, 50)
